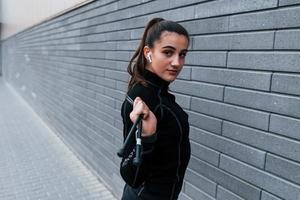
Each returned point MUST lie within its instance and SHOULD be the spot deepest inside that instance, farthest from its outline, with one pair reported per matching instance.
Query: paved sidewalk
(34, 163)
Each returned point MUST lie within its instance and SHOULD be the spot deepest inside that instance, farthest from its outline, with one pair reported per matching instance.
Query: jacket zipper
(180, 140)
(141, 190)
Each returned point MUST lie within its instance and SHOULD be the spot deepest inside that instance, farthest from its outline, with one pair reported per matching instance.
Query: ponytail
(153, 31)
(138, 61)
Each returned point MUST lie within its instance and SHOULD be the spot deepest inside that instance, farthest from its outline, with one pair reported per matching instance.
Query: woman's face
(167, 55)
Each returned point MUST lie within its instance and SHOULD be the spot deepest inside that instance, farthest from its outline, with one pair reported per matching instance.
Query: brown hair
(153, 31)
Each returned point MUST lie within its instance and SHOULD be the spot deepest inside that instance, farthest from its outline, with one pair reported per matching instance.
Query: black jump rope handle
(138, 148)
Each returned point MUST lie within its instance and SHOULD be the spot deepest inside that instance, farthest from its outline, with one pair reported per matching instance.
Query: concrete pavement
(34, 162)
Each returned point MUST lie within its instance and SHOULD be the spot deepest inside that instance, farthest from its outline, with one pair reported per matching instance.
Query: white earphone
(149, 58)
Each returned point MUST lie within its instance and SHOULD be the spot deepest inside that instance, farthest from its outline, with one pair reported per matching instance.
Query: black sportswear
(165, 154)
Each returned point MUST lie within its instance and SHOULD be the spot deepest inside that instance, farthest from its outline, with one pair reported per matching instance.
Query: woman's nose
(176, 61)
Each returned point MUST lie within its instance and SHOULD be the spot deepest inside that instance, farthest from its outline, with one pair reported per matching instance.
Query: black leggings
(158, 192)
(130, 193)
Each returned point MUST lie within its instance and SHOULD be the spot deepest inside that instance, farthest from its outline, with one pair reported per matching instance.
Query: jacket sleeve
(135, 175)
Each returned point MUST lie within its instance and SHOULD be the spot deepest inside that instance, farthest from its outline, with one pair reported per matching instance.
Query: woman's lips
(172, 72)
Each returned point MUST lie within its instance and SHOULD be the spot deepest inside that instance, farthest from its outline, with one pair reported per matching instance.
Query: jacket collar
(155, 80)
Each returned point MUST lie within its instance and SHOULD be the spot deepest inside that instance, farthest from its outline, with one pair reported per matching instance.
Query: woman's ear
(149, 58)
(147, 53)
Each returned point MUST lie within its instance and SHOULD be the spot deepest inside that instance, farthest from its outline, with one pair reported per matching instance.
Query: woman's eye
(168, 53)
(182, 55)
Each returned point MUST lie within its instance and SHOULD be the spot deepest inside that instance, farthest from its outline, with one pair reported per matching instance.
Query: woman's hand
(149, 119)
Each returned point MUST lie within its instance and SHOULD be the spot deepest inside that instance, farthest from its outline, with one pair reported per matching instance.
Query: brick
(223, 7)
(285, 126)
(204, 184)
(107, 109)
(239, 78)
(263, 140)
(99, 144)
(127, 45)
(123, 4)
(207, 25)
(272, 19)
(150, 7)
(137, 33)
(288, 2)
(180, 14)
(223, 145)
(120, 85)
(259, 40)
(228, 112)
(223, 194)
(84, 54)
(102, 63)
(185, 73)
(268, 196)
(205, 90)
(195, 193)
(213, 59)
(276, 61)
(183, 196)
(105, 9)
(118, 104)
(120, 55)
(95, 46)
(70, 26)
(238, 186)
(115, 94)
(138, 10)
(106, 82)
(89, 30)
(287, 39)
(95, 87)
(103, 99)
(177, 3)
(276, 103)
(286, 83)
(283, 168)
(204, 153)
(96, 71)
(117, 75)
(118, 35)
(260, 178)
(183, 100)
(205, 122)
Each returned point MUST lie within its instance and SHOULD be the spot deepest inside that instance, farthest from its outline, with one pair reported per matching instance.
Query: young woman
(165, 128)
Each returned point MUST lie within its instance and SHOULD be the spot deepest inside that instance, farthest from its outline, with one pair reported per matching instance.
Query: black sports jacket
(165, 154)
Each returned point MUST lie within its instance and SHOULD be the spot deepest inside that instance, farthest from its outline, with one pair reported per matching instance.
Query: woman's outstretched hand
(149, 119)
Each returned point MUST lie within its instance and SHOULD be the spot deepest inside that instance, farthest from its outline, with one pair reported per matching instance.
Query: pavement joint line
(35, 163)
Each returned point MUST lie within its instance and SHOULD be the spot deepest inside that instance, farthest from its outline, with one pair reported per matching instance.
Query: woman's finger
(136, 101)
(140, 107)
(137, 109)
(149, 119)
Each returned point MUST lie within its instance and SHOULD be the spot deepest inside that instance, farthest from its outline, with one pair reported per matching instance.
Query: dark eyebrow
(170, 47)
(166, 47)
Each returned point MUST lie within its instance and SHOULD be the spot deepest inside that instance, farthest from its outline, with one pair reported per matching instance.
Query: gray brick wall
(240, 87)
(0, 55)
